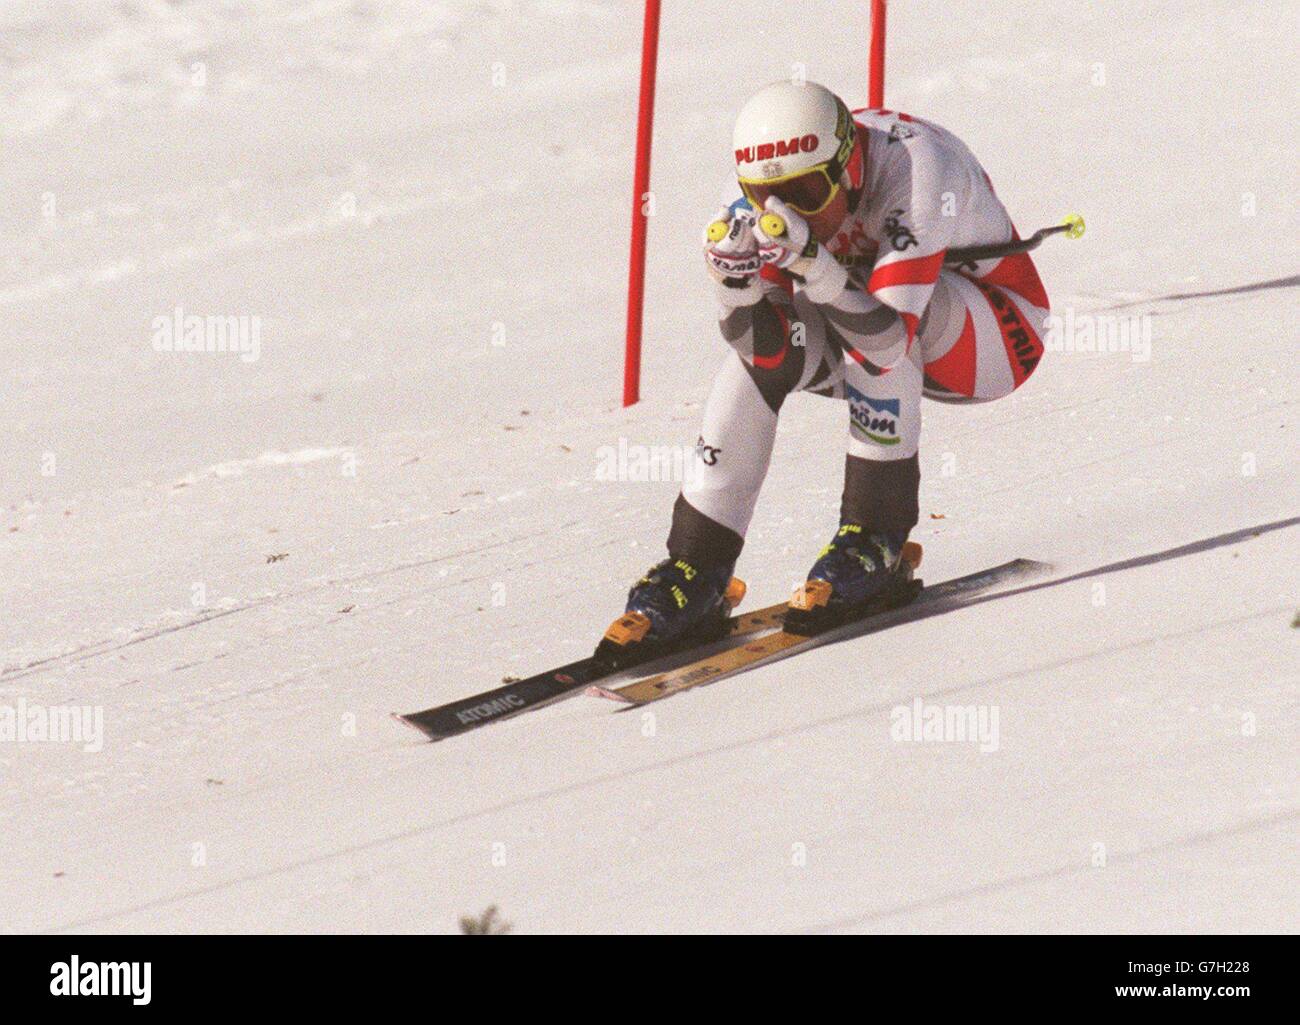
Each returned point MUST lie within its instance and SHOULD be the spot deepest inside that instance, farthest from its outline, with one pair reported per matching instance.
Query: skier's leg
(878, 507)
(881, 473)
(975, 343)
(734, 449)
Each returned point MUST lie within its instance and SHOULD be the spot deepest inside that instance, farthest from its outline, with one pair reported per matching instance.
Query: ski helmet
(797, 142)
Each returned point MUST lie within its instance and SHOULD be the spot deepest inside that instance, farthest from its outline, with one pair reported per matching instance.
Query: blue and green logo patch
(874, 420)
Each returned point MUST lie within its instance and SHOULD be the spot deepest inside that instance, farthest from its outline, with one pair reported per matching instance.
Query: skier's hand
(795, 250)
(730, 249)
(791, 246)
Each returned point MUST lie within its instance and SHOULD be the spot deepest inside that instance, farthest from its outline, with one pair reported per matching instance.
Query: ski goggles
(813, 189)
(806, 192)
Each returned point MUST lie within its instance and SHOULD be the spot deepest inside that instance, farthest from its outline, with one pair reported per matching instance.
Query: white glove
(733, 260)
(798, 252)
(787, 250)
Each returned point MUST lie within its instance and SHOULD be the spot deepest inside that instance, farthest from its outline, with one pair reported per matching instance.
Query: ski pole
(1072, 227)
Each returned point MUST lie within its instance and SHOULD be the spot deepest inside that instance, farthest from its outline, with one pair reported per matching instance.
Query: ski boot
(856, 574)
(675, 604)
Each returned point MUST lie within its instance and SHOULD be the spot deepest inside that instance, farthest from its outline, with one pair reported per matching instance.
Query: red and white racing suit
(906, 327)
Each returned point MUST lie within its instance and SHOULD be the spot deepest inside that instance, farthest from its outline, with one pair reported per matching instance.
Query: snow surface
(426, 205)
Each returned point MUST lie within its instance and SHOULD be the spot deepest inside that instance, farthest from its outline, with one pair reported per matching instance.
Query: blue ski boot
(856, 574)
(674, 605)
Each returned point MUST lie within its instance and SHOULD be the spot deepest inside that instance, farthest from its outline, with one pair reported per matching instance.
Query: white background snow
(427, 206)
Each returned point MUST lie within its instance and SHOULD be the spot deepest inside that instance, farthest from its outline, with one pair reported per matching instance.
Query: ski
(511, 699)
(905, 605)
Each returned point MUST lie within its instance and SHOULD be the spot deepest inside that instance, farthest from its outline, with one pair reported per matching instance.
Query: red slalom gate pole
(640, 188)
(876, 83)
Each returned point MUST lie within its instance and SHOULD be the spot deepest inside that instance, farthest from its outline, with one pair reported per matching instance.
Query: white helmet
(787, 129)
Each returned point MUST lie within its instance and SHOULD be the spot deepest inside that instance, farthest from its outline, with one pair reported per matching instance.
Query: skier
(842, 293)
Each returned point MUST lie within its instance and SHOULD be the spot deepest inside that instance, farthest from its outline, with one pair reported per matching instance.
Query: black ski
(469, 713)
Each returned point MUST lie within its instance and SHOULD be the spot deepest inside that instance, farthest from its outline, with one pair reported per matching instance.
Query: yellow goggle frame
(824, 169)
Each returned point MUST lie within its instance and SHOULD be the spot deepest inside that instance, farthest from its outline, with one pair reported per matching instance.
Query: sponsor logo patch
(900, 235)
(490, 709)
(875, 420)
(707, 454)
(689, 679)
(781, 148)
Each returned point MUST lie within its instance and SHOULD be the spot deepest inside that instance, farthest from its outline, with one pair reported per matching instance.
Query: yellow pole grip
(773, 225)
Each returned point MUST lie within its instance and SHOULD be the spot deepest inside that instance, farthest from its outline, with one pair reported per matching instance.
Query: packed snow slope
(246, 564)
